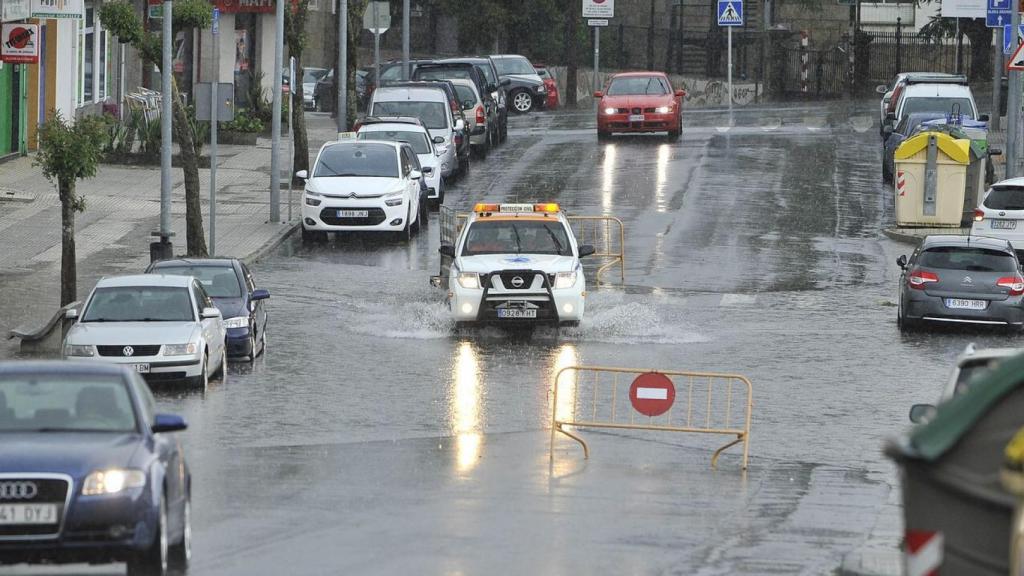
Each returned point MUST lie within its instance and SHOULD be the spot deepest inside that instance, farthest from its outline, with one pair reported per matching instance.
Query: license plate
(636, 117)
(516, 313)
(353, 213)
(966, 304)
(141, 368)
(11, 514)
(1004, 224)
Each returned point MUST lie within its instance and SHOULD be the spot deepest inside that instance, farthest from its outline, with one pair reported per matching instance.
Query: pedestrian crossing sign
(730, 12)
(1016, 62)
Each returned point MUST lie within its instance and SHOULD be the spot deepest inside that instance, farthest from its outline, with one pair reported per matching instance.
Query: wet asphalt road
(375, 439)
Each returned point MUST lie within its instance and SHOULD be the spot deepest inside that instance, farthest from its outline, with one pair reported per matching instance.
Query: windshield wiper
(519, 248)
(554, 238)
(47, 429)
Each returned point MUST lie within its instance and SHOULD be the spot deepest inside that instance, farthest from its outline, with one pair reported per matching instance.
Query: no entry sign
(652, 394)
(18, 43)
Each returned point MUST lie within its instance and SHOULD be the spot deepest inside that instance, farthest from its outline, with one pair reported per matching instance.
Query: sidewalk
(122, 209)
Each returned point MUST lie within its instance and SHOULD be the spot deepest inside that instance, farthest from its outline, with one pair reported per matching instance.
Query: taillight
(480, 116)
(979, 215)
(919, 278)
(357, 125)
(1014, 283)
(454, 105)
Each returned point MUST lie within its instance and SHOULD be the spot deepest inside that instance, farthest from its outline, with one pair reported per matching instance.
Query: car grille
(508, 279)
(164, 376)
(13, 490)
(648, 110)
(136, 350)
(330, 217)
(636, 110)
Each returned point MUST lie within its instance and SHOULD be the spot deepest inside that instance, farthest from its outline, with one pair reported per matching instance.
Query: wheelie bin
(931, 179)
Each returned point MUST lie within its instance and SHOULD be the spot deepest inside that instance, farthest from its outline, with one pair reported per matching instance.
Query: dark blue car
(88, 471)
(229, 283)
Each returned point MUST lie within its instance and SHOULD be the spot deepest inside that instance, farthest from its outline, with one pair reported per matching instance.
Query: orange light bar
(549, 207)
(481, 207)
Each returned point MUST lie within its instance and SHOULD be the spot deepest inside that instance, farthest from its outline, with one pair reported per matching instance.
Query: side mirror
(680, 93)
(921, 413)
(438, 140)
(447, 250)
(168, 423)
(599, 94)
(71, 314)
(505, 82)
(427, 170)
(995, 152)
(902, 262)
(460, 125)
(260, 294)
(586, 250)
(302, 174)
(491, 88)
(415, 175)
(210, 313)
(881, 88)
(984, 118)
(887, 129)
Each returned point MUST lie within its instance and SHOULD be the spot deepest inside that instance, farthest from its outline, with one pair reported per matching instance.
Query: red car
(639, 102)
(550, 85)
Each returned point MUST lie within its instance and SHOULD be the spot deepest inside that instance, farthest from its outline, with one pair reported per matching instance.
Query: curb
(288, 228)
(901, 236)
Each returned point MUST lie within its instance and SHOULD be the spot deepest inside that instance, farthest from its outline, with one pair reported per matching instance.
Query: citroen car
(90, 471)
(515, 263)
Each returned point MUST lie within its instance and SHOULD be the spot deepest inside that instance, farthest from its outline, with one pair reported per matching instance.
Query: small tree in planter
(68, 153)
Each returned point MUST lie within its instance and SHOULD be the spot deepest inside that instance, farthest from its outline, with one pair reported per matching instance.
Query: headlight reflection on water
(465, 408)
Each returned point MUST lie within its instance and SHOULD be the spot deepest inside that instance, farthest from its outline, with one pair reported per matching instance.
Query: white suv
(938, 97)
(1000, 214)
(516, 263)
(430, 105)
(363, 186)
(412, 132)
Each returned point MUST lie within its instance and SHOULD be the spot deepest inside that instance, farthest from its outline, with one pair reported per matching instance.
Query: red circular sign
(19, 37)
(652, 394)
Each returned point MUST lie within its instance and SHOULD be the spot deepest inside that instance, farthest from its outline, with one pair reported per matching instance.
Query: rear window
(971, 259)
(418, 140)
(443, 74)
(513, 65)
(943, 105)
(367, 161)
(434, 115)
(1005, 199)
(465, 94)
(218, 281)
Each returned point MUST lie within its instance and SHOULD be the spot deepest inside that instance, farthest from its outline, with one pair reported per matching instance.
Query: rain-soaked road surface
(375, 439)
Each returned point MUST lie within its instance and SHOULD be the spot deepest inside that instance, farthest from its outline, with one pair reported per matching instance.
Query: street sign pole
(1012, 109)
(729, 64)
(291, 132)
(340, 117)
(166, 250)
(997, 74)
(275, 128)
(214, 96)
(597, 62)
(376, 45)
(406, 73)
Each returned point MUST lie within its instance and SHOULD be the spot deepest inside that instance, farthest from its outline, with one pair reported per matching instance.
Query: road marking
(737, 299)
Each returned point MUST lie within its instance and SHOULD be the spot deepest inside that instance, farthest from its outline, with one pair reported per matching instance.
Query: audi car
(90, 472)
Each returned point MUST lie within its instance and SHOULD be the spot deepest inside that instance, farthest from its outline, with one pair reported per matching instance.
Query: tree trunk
(188, 64)
(981, 49)
(68, 267)
(300, 151)
(195, 239)
(571, 54)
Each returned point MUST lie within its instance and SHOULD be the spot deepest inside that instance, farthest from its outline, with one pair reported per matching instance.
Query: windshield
(432, 114)
(391, 73)
(140, 304)
(513, 65)
(970, 372)
(517, 237)
(65, 403)
(972, 259)
(218, 281)
(367, 161)
(637, 85)
(942, 105)
(465, 94)
(458, 73)
(487, 72)
(418, 140)
(311, 75)
(1005, 198)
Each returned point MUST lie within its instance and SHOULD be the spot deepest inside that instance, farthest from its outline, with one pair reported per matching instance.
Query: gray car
(961, 279)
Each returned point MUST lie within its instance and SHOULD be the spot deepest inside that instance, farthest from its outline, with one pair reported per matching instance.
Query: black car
(499, 94)
(230, 285)
(323, 92)
(526, 90)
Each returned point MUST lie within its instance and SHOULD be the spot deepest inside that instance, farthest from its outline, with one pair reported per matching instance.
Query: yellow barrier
(698, 402)
(607, 236)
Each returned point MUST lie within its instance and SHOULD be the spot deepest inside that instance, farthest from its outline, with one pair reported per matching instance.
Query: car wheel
(252, 347)
(222, 372)
(179, 555)
(673, 135)
(522, 102)
(905, 324)
(504, 131)
(263, 340)
(202, 382)
(153, 560)
(406, 233)
(424, 212)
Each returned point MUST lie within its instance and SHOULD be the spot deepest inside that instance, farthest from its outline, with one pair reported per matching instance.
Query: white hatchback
(412, 132)
(162, 326)
(1000, 214)
(363, 186)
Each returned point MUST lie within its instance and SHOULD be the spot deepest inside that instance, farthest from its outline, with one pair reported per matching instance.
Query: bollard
(161, 249)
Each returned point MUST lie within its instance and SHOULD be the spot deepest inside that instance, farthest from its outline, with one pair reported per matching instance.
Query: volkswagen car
(90, 471)
(639, 102)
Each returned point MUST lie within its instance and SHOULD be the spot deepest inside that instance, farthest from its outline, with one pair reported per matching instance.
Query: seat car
(163, 326)
(498, 94)
(90, 472)
(526, 90)
(550, 84)
(1000, 214)
(969, 366)
(639, 102)
(230, 285)
(961, 279)
(432, 106)
(360, 186)
(481, 137)
(515, 263)
(411, 131)
(896, 136)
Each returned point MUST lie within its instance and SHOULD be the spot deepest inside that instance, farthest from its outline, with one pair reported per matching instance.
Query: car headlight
(663, 109)
(469, 280)
(540, 89)
(565, 279)
(441, 150)
(179, 349)
(394, 201)
(79, 350)
(237, 322)
(112, 481)
(310, 201)
(609, 110)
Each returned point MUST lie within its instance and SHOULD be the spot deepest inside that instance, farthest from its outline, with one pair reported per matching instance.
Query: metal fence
(892, 52)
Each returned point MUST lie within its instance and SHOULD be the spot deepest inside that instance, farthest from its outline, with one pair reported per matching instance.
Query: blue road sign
(730, 12)
(1008, 44)
(997, 13)
(215, 26)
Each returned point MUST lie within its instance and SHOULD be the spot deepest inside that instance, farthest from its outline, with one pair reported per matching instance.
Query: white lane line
(737, 299)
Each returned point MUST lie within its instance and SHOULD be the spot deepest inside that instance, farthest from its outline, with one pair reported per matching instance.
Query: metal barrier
(607, 236)
(591, 396)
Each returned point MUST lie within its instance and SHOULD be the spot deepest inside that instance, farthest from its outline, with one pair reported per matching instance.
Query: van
(430, 104)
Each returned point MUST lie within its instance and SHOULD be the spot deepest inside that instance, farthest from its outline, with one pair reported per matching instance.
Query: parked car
(891, 93)
(526, 90)
(947, 97)
(550, 85)
(639, 102)
(324, 96)
(498, 94)
(481, 137)
(359, 186)
(391, 71)
(896, 136)
(1000, 214)
(310, 76)
(164, 327)
(230, 285)
(971, 364)
(961, 280)
(412, 131)
(90, 473)
(433, 107)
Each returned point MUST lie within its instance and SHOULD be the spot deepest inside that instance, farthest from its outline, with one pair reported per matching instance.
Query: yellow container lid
(958, 150)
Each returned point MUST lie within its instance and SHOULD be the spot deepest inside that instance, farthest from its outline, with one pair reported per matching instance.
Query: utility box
(931, 180)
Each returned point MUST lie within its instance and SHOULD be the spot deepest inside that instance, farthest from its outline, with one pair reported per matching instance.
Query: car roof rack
(936, 78)
(390, 120)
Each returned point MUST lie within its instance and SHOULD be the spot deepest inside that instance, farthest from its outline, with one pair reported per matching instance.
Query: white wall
(265, 51)
(67, 66)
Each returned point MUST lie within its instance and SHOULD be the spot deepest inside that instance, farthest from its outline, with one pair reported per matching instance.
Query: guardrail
(668, 401)
(608, 237)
